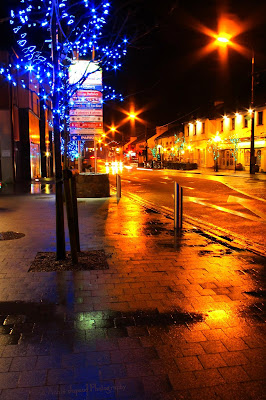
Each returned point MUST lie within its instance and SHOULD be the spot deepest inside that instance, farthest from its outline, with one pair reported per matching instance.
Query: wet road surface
(230, 203)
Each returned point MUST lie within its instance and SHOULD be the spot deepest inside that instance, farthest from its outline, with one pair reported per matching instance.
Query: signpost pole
(79, 158)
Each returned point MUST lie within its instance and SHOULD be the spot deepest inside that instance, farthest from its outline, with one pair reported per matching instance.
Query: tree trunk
(60, 232)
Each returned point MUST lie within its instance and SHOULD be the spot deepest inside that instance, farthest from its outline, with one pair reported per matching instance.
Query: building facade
(223, 140)
(25, 137)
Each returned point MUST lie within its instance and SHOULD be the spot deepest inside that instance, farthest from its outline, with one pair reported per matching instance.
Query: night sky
(163, 75)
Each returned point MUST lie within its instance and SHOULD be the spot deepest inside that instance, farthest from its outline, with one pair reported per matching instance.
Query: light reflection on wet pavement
(174, 317)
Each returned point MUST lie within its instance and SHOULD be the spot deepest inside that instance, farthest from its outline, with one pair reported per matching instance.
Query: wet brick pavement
(172, 318)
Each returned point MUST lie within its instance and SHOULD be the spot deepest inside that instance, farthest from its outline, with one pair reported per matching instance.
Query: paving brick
(13, 394)
(212, 360)
(188, 363)
(156, 384)
(60, 376)
(208, 377)
(253, 342)
(214, 346)
(214, 334)
(231, 391)
(44, 393)
(32, 378)
(192, 349)
(254, 389)
(86, 374)
(5, 364)
(183, 380)
(131, 388)
(207, 393)
(163, 366)
(233, 358)
(255, 372)
(23, 363)
(139, 369)
(47, 362)
(113, 371)
(129, 343)
(8, 380)
(194, 337)
(234, 374)
(234, 344)
(127, 356)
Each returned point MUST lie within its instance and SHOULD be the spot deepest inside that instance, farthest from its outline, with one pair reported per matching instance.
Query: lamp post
(224, 41)
(252, 137)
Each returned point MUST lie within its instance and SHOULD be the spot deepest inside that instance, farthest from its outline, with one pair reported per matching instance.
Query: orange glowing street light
(223, 39)
(132, 116)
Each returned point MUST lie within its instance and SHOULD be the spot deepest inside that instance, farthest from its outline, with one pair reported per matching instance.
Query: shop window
(260, 118)
(233, 124)
(258, 159)
(245, 121)
(188, 131)
(195, 129)
(222, 125)
(247, 157)
(203, 127)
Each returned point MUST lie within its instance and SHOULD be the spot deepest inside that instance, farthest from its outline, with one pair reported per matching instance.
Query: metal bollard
(178, 207)
(118, 186)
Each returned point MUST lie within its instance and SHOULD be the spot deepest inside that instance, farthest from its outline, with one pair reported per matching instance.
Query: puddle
(216, 253)
(151, 211)
(18, 319)
(257, 293)
(10, 235)
(154, 318)
(155, 228)
(35, 322)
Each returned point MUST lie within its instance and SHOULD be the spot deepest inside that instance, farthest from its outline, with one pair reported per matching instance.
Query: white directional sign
(86, 105)
(87, 118)
(82, 137)
(85, 112)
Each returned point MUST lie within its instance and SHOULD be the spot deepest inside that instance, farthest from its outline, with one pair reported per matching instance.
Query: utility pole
(60, 232)
(252, 137)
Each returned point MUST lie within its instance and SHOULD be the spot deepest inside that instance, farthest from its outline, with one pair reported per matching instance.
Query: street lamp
(223, 40)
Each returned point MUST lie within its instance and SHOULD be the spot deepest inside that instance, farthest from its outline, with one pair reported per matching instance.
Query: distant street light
(223, 40)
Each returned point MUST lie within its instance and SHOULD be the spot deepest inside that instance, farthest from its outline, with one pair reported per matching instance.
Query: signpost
(86, 105)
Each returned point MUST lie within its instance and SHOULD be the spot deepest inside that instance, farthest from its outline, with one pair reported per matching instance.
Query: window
(233, 123)
(222, 125)
(188, 131)
(195, 129)
(260, 118)
(245, 121)
(203, 127)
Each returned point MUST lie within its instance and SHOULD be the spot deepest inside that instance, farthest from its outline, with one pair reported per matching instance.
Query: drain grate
(10, 235)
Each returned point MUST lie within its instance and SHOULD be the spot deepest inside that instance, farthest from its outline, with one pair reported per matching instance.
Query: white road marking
(247, 204)
(219, 208)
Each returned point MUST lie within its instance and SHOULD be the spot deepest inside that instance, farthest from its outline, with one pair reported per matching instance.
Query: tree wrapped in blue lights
(51, 35)
(153, 150)
(72, 148)
(234, 150)
(180, 142)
